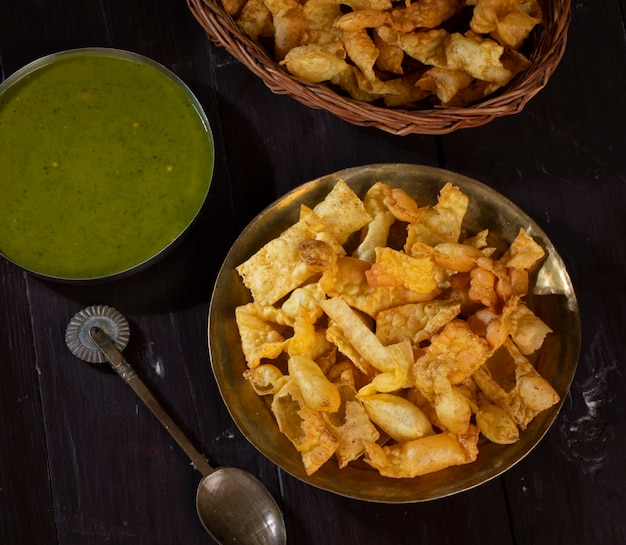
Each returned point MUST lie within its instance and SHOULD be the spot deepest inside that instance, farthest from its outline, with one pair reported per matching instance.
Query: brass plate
(552, 298)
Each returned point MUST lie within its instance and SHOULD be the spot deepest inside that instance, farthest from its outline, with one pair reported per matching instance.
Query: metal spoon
(233, 505)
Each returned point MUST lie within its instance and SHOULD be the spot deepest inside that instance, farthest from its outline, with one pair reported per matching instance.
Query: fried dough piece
(415, 321)
(424, 14)
(529, 395)
(304, 427)
(507, 21)
(421, 456)
(316, 62)
(351, 426)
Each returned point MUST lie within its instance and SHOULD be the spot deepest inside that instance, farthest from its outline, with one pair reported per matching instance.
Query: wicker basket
(547, 52)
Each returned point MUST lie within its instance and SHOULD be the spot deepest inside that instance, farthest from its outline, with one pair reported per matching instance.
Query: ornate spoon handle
(128, 374)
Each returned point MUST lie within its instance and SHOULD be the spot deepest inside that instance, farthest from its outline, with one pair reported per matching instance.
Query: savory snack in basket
(418, 54)
(380, 330)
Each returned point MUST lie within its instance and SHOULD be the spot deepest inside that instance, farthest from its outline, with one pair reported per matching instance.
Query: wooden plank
(26, 514)
(477, 516)
(121, 462)
(33, 29)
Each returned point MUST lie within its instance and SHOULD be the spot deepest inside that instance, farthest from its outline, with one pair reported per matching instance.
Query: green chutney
(105, 159)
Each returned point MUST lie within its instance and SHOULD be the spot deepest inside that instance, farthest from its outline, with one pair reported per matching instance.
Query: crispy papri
(421, 456)
(454, 354)
(415, 321)
(418, 54)
(342, 211)
(440, 223)
(351, 426)
(524, 395)
(304, 427)
(278, 268)
(381, 331)
(395, 268)
(260, 333)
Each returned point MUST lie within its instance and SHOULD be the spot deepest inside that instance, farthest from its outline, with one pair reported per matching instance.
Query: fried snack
(343, 212)
(530, 392)
(390, 57)
(440, 223)
(315, 62)
(507, 21)
(496, 425)
(351, 426)
(278, 267)
(303, 426)
(255, 20)
(359, 335)
(395, 268)
(266, 379)
(401, 350)
(444, 83)
(416, 322)
(421, 456)
(260, 335)
(421, 54)
(397, 417)
(424, 14)
(376, 232)
(317, 391)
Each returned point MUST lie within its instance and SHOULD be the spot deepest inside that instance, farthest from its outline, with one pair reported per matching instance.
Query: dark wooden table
(82, 462)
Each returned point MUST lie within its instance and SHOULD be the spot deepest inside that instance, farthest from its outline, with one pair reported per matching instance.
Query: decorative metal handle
(125, 370)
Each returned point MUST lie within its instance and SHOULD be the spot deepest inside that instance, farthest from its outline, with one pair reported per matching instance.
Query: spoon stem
(128, 374)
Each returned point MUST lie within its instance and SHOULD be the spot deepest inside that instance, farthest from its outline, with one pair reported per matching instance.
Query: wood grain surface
(82, 462)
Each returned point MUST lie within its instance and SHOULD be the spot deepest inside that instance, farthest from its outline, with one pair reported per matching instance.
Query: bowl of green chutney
(106, 159)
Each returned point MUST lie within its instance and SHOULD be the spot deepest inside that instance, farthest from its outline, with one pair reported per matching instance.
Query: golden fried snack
(445, 83)
(278, 268)
(398, 349)
(424, 14)
(376, 232)
(303, 426)
(260, 335)
(351, 426)
(416, 322)
(255, 20)
(316, 62)
(496, 425)
(507, 21)
(395, 268)
(421, 54)
(396, 416)
(440, 223)
(342, 211)
(530, 392)
(421, 456)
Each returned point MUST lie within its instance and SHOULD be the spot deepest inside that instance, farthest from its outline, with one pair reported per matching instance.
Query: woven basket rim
(222, 30)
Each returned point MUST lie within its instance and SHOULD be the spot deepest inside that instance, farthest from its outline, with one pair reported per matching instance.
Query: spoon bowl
(233, 507)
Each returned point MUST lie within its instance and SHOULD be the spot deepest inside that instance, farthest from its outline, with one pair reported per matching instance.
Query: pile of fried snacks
(381, 332)
(418, 54)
